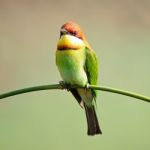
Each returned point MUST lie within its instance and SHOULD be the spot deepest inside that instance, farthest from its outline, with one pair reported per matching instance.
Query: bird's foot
(87, 86)
(65, 85)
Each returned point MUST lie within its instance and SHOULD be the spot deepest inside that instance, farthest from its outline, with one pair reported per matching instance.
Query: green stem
(122, 92)
(31, 89)
(60, 86)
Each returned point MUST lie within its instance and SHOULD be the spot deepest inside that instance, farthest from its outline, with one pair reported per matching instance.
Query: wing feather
(91, 68)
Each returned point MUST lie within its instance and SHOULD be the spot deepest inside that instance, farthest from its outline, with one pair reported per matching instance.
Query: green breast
(71, 66)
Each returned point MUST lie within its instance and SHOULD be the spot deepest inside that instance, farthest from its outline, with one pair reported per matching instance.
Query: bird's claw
(64, 85)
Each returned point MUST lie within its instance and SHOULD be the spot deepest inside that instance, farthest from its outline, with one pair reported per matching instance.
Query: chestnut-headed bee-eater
(77, 64)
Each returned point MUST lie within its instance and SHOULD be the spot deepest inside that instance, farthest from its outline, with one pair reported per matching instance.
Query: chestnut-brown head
(72, 28)
(71, 37)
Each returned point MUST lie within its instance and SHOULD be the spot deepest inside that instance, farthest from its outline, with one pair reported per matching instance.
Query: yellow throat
(70, 42)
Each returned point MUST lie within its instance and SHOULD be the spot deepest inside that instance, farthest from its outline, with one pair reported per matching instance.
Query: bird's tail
(92, 121)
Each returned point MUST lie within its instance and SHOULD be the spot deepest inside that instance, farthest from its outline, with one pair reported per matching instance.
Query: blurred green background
(119, 32)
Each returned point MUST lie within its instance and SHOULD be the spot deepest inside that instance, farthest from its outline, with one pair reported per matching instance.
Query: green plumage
(91, 68)
(71, 66)
(79, 67)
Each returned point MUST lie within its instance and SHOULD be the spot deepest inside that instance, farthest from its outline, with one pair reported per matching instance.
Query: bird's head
(73, 29)
(71, 37)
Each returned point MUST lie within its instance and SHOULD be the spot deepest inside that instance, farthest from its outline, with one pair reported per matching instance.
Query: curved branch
(63, 86)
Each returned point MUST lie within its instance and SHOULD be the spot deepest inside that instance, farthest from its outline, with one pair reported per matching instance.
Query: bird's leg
(65, 85)
(87, 86)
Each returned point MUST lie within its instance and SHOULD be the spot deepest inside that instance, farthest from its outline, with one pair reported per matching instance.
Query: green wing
(91, 68)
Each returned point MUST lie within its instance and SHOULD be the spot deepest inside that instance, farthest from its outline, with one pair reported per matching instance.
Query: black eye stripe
(73, 33)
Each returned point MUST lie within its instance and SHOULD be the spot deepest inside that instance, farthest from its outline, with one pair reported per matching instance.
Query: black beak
(63, 32)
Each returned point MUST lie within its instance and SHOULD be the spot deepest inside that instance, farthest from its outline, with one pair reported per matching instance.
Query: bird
(78, 65)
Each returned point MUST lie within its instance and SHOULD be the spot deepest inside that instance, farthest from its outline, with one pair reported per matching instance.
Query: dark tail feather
(76, 95)
(92, 121)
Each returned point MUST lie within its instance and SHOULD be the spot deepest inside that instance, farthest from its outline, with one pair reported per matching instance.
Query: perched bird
(77, 64)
